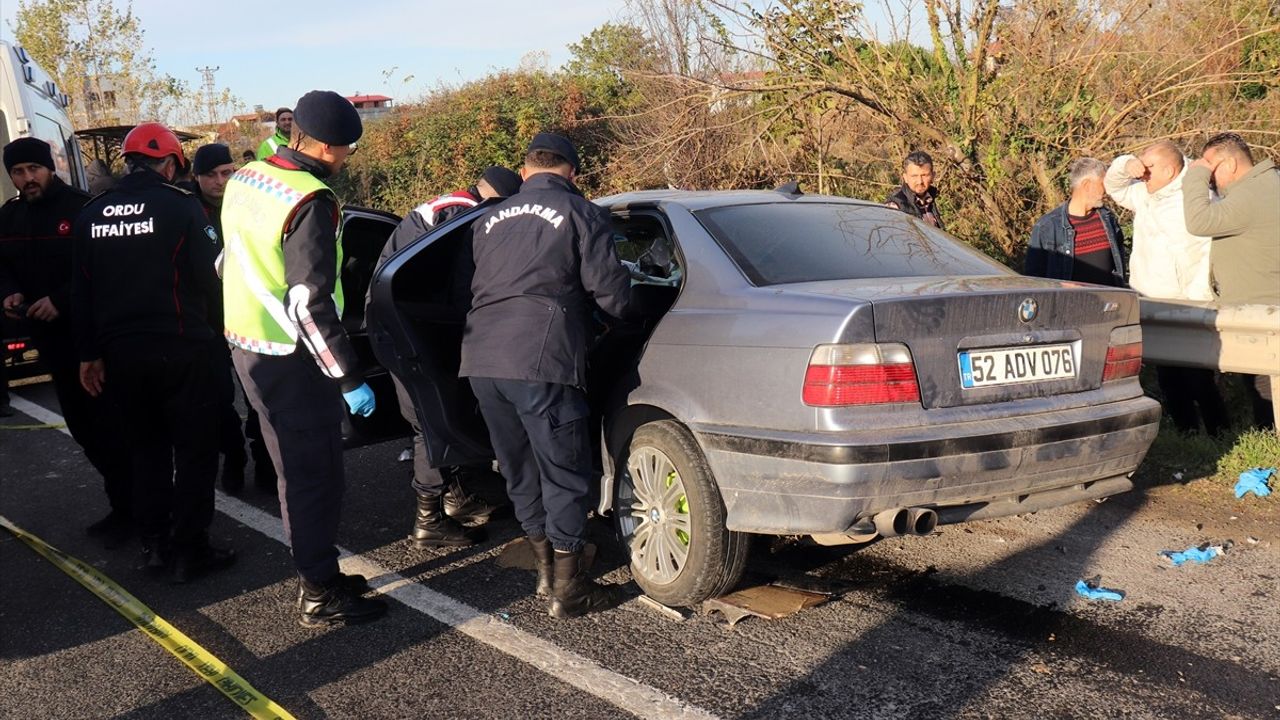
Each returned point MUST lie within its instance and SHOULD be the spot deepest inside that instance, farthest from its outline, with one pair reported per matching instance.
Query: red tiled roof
(367, 98)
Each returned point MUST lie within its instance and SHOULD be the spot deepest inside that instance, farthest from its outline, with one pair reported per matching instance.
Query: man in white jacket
(1168, 262)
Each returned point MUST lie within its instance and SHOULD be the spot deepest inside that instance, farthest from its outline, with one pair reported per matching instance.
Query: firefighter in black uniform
(444, 506)
(283, 298)
(35, 284)
(142, 292)
(544, 260)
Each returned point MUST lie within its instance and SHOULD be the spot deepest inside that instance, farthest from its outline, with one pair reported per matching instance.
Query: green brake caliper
(682, 507)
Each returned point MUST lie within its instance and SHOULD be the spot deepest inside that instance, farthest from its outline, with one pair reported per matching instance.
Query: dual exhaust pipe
(905, 521)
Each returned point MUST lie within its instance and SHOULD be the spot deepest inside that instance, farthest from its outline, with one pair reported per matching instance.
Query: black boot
(192, 561)
(233, 464)
(336, 601)
(543, 560)
(466, 509)
(264, 473)
(574, 593)
(432, 528)
(156, 554)
(115, 529)
(357, 584)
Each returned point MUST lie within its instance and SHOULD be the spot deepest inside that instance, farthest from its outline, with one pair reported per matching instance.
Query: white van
(31, 105)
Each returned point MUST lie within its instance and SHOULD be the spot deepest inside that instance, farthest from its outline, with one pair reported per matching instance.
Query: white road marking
(563, 665)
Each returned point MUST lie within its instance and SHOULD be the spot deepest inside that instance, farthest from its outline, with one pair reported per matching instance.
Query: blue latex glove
(361, 400)
(1198, 555)
(1092, 592)
(1255, 481)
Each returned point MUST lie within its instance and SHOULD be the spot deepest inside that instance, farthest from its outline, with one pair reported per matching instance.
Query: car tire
(671, 518)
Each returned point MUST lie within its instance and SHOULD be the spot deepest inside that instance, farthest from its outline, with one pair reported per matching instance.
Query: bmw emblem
(1028, 310)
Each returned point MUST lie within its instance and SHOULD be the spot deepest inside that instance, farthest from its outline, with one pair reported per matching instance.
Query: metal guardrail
(1229, 338)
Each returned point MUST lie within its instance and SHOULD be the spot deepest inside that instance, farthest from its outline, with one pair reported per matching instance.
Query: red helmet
(155, 140)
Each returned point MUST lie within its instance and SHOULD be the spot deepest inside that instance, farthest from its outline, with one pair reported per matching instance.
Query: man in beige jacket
(1245, 226)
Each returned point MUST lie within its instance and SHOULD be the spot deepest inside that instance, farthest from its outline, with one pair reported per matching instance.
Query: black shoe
(574, 593)
(5, 410)
(357, 584)
(156, 554)
(233, 472)
(432, 528)
(335, 602)
(191, 562)
(461, 506)
(264, 473)
(115, 530)
(543, 561)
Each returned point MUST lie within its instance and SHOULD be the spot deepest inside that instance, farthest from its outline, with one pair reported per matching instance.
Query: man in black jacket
(544, 260)
(917, 196)
(443, 504)
(143, 287)
(35, 284)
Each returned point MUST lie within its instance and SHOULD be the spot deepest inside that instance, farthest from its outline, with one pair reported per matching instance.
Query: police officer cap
(503, 181)
(209, 157)
(328, 117)
(27, 150)
(557, 144)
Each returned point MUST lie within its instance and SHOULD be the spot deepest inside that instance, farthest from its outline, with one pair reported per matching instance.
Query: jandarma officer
(544, 259)
(142, 290)
(283, 299)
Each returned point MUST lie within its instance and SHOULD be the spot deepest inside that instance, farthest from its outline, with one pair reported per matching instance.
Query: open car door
(416, 319)
(364, 232)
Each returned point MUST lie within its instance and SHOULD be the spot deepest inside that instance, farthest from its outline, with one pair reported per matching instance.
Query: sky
(270, 54)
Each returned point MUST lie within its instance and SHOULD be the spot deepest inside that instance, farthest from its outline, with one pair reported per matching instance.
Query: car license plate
(1006, 366)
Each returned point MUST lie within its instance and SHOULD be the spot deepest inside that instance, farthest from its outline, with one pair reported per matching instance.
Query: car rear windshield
(776, 243)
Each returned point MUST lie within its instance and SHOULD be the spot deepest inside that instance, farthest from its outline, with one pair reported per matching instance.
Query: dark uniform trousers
(94, 423)
(539, 435)
(301, 413)
(426, 479)
(167, 393)
(1190, 396)
(230, 433)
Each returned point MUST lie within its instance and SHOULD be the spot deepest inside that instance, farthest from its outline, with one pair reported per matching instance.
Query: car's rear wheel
(672, 519)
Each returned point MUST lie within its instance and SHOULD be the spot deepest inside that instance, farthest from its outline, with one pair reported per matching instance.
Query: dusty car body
(805, 365)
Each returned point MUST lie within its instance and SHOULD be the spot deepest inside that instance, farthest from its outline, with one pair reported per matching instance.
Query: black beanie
(503, 181)
(281, 111)
(209, 157)
(558, 144)
(328, 117)
(28, 150)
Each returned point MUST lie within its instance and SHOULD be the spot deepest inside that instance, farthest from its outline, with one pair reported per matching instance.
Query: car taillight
(1124, 353)
(16, 346)
(860, 374)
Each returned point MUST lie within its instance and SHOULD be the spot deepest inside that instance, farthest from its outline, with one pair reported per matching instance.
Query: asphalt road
(979, 620)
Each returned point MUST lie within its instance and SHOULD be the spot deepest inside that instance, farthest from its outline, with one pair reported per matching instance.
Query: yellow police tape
(201, 661)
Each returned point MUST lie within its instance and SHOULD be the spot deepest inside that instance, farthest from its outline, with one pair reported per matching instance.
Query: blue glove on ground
(1255, 481)
(1198, 555)
(361, 400)
(1093, 592)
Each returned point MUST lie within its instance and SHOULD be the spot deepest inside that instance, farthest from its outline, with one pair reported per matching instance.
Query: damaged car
(803, 365)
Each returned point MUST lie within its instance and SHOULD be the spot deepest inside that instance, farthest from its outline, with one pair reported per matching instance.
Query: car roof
(694, 200)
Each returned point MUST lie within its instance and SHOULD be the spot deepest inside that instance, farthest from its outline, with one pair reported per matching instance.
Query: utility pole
(208, 72)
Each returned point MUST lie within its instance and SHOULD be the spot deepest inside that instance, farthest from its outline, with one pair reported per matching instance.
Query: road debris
(1198, 555)
(666, 611)
(1092, 589)
(770, 602)
(1256, 481)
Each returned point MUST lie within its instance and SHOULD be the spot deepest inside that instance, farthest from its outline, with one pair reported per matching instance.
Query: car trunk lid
(1029, 323)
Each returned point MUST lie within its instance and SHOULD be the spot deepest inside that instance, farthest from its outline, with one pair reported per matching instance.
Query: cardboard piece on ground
(770, 602)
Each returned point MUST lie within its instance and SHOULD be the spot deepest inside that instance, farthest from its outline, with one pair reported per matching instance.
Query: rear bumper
(824, 483)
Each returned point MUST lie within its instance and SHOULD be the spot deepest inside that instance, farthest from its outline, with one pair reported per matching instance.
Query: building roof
(368, 98)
